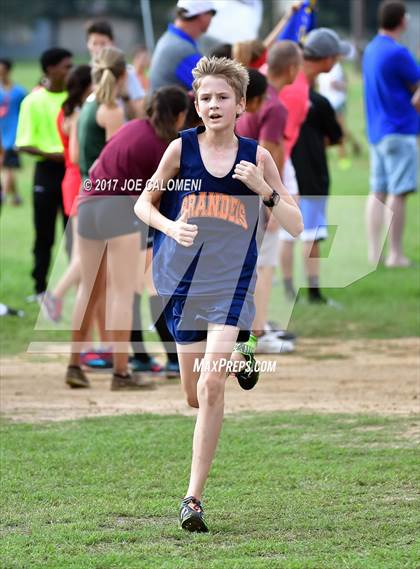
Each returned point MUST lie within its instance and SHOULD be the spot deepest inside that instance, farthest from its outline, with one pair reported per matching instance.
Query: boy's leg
(396, 257)
(9, 185)
(210, 396)
(45, 212)
(187, 356)
(375, 221)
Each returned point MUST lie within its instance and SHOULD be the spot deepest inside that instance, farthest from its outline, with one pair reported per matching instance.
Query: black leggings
(47, 202)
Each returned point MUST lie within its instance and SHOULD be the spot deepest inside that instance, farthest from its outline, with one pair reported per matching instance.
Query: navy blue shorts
(11, 159)
(188, 317)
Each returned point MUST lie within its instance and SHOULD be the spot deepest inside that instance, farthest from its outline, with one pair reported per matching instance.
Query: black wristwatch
(272, 200)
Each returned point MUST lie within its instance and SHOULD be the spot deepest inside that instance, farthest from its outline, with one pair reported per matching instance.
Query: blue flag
(301, 22)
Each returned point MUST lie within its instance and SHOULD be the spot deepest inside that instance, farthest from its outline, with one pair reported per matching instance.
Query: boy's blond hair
(234, 73)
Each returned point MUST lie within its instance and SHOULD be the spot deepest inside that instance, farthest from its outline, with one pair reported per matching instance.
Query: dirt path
(366, 376)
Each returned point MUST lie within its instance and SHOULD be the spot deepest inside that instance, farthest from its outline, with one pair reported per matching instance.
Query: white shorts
(290, 181)
(313, 210)
(268, 255)
(289, 178)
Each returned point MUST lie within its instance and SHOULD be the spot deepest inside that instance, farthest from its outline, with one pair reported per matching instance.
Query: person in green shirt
(37, 135)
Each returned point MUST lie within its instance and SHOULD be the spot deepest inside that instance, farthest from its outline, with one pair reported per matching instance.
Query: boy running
(205, 252)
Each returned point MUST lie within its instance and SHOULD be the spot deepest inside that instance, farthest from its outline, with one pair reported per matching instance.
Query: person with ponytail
(101, 115)
(107, 220)
(78, 86)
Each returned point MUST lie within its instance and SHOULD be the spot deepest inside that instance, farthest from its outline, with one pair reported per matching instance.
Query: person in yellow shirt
(37, 135)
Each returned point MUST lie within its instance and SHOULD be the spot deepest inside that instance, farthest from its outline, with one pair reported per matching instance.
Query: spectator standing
(391, 80)
(11, 97)
(334, 86)
(78, 86)
(99, 35)
(176, 53)
(37, 135)
(267, 127)
(321, 51)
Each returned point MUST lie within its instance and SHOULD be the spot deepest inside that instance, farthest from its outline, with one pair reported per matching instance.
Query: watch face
(273, 199)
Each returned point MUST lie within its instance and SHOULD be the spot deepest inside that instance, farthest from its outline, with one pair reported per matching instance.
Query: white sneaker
(270, 344)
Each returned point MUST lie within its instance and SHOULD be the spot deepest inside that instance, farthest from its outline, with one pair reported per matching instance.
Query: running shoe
(275, 329)
(172, 370)
(269, 343)
(191, 515)
(51, 307)
(75, 378)
(248, 377)
(97, 360)
(152, 366)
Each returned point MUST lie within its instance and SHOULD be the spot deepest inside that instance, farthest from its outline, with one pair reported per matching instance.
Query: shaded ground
(366, 376)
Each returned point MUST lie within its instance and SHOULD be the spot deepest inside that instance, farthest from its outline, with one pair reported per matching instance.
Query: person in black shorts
(11, 97)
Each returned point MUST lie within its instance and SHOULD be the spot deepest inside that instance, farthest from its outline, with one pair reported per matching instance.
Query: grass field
(290, 491)
(287, 490)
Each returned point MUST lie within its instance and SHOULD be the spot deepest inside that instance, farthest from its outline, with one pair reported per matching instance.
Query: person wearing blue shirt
(176, 53)
(11, 97)
(391, 91)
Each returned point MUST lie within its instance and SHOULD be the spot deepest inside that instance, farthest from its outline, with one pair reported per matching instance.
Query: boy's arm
(415, 101)
(263, 179)
(73, 142)
(146, 206)
(281, 24)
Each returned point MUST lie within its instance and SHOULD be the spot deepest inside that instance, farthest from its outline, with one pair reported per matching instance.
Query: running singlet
(91, 136)
(222, 260)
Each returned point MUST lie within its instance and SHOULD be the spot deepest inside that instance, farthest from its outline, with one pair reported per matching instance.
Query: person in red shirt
(321, 51)
(78, 86)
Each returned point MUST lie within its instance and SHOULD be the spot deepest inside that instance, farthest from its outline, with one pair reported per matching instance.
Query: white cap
(196, 7)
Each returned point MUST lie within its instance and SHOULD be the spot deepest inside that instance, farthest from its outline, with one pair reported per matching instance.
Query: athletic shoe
(321, 300)
(100, 360)
(131, 382)
(75, 377)
(191, 515)
(9, 311)
(172, 370)
(51, 307)
(152, 366)
(275, 329)
(248, 377)
(35, 298)
(269, 343)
